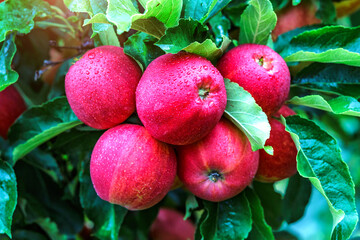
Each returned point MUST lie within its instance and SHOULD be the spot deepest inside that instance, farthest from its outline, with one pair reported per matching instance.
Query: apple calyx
(263, 62)
(204, 92)
(215, 176)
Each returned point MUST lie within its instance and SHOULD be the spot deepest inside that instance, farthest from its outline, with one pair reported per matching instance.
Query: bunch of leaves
(45, 184)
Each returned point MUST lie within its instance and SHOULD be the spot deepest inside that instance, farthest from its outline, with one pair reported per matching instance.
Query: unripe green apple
(220, 165)
(12, 106)
(130, 168)
(170, 225)
(282, 164)
(260, 71)
(180, 98)
(100, 87)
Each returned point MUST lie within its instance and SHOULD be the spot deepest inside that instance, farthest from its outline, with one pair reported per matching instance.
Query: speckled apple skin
(130, 168)
(100, 87)
(12, 106)
(168, 102)
(269, 86)
(282, 164)
(226, 150)
(170, 225)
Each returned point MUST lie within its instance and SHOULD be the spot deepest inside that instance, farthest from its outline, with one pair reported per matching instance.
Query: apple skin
(269, 84)
(282, 164)
(293, 17)
(180, 98)
(170, 224)
(12, 105)
(130, 168)
(218, 166)
(100, 87)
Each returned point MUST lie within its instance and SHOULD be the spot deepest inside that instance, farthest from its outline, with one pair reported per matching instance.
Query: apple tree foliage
(45, 187)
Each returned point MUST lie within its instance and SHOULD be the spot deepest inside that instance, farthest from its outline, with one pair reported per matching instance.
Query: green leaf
(257, 22)
(330, 44)
(137, 224)
(191, 204)
(220, 26)
(203, 10)
(8, 197)
(191, 36)
(181, 36)
(166, 11)
(332, 78)
(42, 201)
(296, 2)
(279, 4)
(97, 9)
(120, 12)
(39, 124)
(271, 202)
(284, 39)
(319, 159)
(326, 12)
(107, 217)
(234, 218)
(7, 52)
(45, 162)
(234, 11)
(260, 230)
(158, 16)
(296, 198)
(341, 105)
(18, 16)
(208, 49)
(141, 47)
(215, 7)
(206, 228)
(243, 111)
(51, 229)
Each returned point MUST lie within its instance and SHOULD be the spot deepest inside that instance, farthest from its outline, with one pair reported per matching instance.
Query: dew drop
(91, 55)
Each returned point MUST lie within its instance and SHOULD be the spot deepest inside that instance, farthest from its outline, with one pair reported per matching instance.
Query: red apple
(293, 17)
(180, 98)
(170, 225)
(220, 165)
(260, 71)
(101, 87)
(12, 106)
(282, 164)
(130, 168)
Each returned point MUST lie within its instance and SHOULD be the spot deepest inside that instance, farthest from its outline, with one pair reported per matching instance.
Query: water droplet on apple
(91, 55)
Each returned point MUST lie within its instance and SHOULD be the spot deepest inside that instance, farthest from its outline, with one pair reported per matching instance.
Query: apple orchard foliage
(45, 186)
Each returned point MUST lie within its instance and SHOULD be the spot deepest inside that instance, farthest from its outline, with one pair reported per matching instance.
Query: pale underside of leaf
(338, 55)
(341, 105)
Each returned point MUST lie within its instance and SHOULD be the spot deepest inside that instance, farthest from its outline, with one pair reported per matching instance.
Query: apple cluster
(180, 100)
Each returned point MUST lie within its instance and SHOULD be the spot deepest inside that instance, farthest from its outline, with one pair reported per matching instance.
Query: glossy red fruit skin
(268, 84)
(170, 224)
(293, 17)
(168, 102)
(282, 164)
(12, 105)
(100, 87)
(225, 150)
(130, 168)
